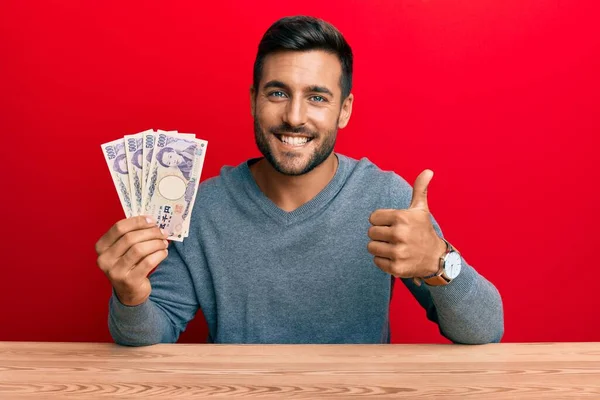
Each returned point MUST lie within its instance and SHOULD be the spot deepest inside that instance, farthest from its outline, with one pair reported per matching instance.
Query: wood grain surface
(31, 370)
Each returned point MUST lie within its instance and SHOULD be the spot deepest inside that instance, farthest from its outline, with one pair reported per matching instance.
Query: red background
(499, 98)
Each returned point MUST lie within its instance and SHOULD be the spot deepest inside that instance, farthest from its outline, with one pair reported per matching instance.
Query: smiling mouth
(293, 140)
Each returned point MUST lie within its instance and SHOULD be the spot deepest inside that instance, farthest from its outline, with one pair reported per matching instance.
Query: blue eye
(319, 99)
(277, 94)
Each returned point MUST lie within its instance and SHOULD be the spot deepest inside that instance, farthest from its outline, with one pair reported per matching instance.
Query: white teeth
(294, 140)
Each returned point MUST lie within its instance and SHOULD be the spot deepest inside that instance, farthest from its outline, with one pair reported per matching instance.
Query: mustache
(286, 128)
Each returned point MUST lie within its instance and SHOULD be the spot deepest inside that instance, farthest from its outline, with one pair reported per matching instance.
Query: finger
(393, 268)
(385, 264)
(381, 249)
(391, 234)
(148, 263)
(132, 238)
(386, 217)
(381, 233)
(419, 197)
(139, 251)
(121, 228)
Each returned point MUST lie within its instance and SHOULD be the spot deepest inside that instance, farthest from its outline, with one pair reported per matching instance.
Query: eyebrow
(312, 88)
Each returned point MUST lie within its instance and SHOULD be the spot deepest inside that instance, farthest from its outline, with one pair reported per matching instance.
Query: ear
(252, 100)
(346, 111)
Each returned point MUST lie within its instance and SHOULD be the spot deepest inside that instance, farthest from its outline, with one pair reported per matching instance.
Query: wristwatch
(450, 263)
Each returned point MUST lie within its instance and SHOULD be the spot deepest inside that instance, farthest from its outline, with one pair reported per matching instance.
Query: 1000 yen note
(133, 149)
(170, 185)
(116, 159)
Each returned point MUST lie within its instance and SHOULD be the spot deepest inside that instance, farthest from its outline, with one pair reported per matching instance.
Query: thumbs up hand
(404, 242)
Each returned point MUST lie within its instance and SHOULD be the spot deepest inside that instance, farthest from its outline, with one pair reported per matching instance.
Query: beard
(319, 155)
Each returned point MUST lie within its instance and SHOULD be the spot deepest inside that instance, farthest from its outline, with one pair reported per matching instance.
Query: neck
(291, 192)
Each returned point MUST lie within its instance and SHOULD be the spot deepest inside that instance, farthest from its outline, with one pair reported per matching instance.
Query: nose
(295, 112)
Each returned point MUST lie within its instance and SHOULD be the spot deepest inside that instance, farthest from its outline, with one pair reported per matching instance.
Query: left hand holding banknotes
(157, 174)
(127, 253)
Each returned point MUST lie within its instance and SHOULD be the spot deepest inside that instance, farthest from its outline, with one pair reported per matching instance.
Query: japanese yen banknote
(156, 173)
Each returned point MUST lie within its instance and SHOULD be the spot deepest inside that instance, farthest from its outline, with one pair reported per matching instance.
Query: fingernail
(166, 243)
(149, 220)
(164, 232)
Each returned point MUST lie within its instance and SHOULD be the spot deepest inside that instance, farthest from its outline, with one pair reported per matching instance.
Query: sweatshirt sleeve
(165, 314)
(469, 309)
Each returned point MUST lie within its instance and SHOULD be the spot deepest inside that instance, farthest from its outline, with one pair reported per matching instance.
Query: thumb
(419, 197)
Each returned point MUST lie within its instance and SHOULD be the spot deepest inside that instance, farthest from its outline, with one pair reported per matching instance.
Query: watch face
(452, 265)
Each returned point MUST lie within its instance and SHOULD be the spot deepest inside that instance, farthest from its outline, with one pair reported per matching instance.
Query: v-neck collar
(307, 209)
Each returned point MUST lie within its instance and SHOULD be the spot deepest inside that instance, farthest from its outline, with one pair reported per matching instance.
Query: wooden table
(183, 371)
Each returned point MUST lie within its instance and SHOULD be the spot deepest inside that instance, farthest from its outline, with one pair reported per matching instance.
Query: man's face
(298, 108)
(172, 159)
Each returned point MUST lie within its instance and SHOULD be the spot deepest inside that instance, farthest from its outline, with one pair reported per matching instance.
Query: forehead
(299, 69)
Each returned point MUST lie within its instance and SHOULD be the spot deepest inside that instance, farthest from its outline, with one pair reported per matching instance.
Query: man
(302, 245)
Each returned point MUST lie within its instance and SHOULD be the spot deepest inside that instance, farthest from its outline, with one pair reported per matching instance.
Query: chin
(287, 167)
(295, 166)
(291, 171)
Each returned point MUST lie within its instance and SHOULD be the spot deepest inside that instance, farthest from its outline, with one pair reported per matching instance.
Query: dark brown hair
(303, 33)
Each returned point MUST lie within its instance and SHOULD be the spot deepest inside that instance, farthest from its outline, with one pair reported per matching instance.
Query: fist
(127, 253)
(404, 242)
